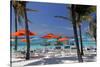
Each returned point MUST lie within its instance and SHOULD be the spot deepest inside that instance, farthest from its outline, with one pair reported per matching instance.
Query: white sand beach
(52, 58)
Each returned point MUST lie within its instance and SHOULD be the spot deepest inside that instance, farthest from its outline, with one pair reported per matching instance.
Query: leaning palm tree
(92, 27)
(83, 13)
(73, 20)
(19, 15)
(16, 13)
(27, 30)
(20, 12)
(74, 16)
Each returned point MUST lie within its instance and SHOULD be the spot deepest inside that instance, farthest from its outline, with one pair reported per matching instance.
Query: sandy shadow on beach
(53, 60)
(23, 58)
(91, 58)
(17, 61)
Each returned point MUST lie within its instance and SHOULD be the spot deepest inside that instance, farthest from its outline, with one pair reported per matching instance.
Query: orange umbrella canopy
(50, 36)
(63, 39)
(23, 40)
(55, 36)
(22, 33)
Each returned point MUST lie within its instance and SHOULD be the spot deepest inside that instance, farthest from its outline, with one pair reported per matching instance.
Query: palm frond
(19, 7)
(62, 17)
(86, 18)
(29, 21)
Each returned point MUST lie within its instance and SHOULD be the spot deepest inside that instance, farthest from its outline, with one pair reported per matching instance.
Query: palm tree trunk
(95, 29)
(11, 32)
(95, 34)
(27, 35)
(92, 29)
(80, 34)
(16, 41)
(81, 42)
(75, 33)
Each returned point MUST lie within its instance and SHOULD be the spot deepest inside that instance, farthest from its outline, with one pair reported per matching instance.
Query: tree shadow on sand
(91, 58)
(54, 60)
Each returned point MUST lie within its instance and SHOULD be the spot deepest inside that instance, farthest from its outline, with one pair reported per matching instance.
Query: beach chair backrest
(66, 47)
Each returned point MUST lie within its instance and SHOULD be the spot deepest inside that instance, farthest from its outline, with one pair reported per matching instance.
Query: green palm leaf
(62, 17)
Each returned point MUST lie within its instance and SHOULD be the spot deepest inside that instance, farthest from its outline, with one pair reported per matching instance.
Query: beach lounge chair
(67, 50)
(90, 50)
(58, 47)
(19, 54)
(66, 47)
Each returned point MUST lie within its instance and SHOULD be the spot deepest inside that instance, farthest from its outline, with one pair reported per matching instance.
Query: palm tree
(15, 12)
(92, 27)
(82, 13)
(95, 28)
(74, 16)
(20, 11)
(27, 31)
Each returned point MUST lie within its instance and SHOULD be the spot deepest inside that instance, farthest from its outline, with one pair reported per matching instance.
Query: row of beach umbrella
(49, 37)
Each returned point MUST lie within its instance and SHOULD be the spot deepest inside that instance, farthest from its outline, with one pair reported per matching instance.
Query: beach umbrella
(55, 36)
(50, 36)
(23, 33)
(18, 34)
(23, 40)
(47, 37)
(62, 39)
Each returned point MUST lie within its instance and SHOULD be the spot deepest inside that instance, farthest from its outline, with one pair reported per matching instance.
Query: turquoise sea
(40, 44)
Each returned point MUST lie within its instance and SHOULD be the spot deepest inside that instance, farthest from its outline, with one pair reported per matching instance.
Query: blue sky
(44, 21)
